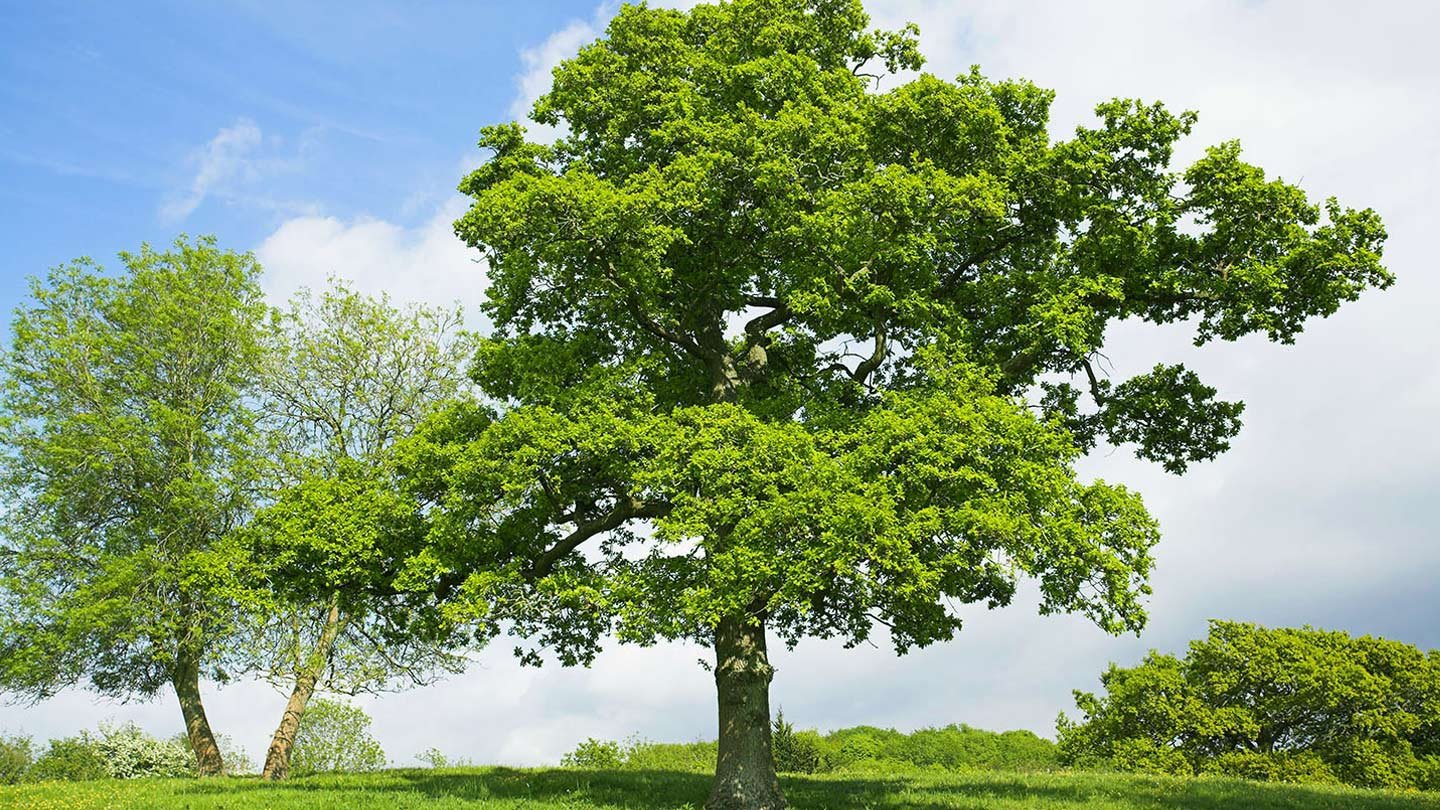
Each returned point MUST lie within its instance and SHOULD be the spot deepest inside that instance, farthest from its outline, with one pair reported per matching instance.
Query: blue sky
(361, 108)
(329, 139)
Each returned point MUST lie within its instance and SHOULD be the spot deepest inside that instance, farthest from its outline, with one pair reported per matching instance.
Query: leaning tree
(779, 352)
(345, 377)
(130, 459)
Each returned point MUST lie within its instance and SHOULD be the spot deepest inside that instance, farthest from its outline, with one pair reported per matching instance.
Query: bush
(125, 751)
(597, 755)
(795, 752)
(1300, 768)
(335, 736)
(435, 758)
(69, 759)
(17, 754)
(694, 757)
(129, 753)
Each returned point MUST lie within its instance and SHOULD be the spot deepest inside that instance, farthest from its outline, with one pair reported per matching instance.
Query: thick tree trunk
(745, 770)
(277, 759)
(197, 727)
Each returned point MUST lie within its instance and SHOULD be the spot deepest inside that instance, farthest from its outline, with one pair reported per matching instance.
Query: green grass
(553, 789)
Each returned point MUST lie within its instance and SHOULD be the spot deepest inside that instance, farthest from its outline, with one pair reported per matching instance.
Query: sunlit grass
(504, 788)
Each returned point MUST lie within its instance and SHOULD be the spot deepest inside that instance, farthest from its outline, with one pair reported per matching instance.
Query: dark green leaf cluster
(938, 491)
(1276, 704)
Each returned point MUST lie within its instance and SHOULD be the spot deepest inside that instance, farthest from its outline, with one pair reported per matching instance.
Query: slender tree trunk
(745, 770)
(277, 759)
(197, 727)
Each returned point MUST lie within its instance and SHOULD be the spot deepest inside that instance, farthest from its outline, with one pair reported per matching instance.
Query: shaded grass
(557, 789)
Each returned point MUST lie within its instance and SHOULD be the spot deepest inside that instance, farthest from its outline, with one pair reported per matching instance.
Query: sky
(329, 138)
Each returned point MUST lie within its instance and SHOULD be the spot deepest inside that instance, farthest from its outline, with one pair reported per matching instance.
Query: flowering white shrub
(129, 753)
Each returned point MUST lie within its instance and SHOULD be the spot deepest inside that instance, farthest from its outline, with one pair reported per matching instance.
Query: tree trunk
(277, 759)
(745, 769)
(197, 727)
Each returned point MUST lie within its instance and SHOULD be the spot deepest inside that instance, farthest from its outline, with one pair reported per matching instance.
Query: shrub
(795, 752)
(859, 749)
(335, 736)
(129, 753)
(1301, 768)
(69, 759)
(694, 757)
(435, 758)
(596, 755)
(17, 754)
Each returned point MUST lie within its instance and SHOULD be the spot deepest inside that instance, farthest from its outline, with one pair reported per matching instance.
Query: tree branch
(629, 508)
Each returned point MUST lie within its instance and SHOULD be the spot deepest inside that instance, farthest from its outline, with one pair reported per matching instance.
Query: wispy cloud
(231, 164)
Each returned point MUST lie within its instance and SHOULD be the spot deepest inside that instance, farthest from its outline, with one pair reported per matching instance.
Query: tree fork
(745, 776)
(277, 758)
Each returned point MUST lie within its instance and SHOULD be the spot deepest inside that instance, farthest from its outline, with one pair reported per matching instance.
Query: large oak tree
(780, 351)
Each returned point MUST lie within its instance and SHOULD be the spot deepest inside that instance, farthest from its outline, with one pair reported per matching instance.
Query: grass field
(507, 789)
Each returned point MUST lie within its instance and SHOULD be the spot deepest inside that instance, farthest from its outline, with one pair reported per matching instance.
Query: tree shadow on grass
(672, 790)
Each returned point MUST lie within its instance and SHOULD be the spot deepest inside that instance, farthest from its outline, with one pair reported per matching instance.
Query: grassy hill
(554, 789)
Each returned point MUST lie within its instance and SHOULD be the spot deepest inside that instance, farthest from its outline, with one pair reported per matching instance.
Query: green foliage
(346, 375)
(435, 758)
(764, 336)
(335, 737)
(122, 751)
(1303, 767)
(693, 757)
(954, 747)
(862, 749)
(17, 753)
(69, 759)
(635, 754)
(130, 455)
(795, 752)
(129, 752)
(595, 755)
(129, 458)
(1273, 704)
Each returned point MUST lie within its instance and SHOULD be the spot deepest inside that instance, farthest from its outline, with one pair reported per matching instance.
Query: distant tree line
(861, 749)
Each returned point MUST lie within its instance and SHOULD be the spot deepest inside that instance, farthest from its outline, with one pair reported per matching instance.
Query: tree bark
(277, 759)
(745, 769)
(197, 727)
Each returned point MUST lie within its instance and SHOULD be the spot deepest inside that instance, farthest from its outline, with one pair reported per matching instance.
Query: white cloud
(426, 264)
(228, 166)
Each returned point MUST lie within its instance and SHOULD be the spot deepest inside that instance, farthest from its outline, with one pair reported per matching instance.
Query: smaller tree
(795, 751)
(17, 754)
(129, 460)
(1285, 704)
(336, 737)
(347, 376)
